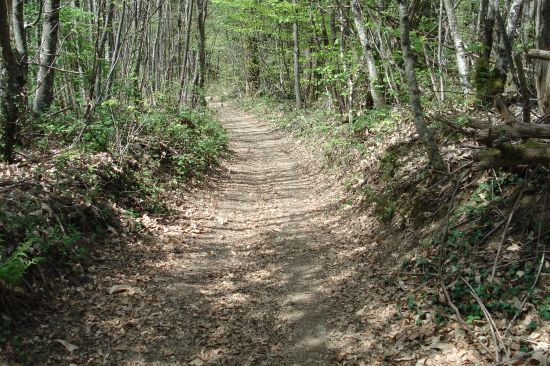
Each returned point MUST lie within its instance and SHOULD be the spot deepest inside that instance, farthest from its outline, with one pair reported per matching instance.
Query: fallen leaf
(122, 288)
(361, 311)
(68, 346)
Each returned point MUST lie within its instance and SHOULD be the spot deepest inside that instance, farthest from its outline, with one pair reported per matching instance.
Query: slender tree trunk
(542, 66)
(441, 38)
(21, 47)
(184, 73)
(115, 56)
(482, 73)
(427, 139)
(461, 61)
(507, 33)
(48, 53)
(253, 65)
(297, 73)
(344, 33)
(12, 100)
(19, 31)
(202, 6)
(372, 69)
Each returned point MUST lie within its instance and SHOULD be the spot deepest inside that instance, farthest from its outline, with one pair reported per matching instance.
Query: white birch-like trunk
(461, 61)
(48, 53)
(297, 86)
(372, 70)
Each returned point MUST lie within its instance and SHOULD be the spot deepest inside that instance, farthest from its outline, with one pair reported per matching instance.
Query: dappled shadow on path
(258, 276)
(256, 272)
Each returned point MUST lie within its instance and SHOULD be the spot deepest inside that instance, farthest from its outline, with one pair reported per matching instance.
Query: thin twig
(526, 298)
(445, 232)
(448, 300)
(504, 234)
(497, 338)
(542, 260)
(461, 321)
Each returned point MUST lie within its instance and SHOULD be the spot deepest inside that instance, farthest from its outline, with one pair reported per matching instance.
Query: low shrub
(56, 209)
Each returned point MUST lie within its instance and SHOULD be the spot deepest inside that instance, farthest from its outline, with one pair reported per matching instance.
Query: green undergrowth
(340, 141)
(469, 250)
(58, 209)
(397, 185)
(375, 137)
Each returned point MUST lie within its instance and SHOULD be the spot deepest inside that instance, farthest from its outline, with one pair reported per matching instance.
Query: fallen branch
(504, 233)
(497, 338)
(524, 301)
(539, 54)
(461, 321)
(529, 153)
(517, 130)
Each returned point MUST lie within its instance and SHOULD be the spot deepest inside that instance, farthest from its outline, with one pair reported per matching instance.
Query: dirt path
(267, 244)
(259, 269)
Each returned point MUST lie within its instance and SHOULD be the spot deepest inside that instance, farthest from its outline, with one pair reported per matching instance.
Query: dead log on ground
(506, 155)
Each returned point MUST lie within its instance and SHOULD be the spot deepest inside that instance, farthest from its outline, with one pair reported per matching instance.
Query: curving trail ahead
(258, 269)
(269, 241)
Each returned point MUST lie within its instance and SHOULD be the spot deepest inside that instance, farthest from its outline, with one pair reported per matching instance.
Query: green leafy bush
(126, 156)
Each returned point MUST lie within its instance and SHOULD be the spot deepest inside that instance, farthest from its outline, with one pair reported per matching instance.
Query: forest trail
(267, 249)
(258, 269)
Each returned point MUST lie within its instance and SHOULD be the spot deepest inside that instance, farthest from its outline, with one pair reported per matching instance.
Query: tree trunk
(12, 93)
(48, 53)
(461, 62)
(202, 6)
(543, 67)
(426, 137)
(19, 31)
(297, 74)
(507, 32)
(482, 72)
(183, 76)
(372, 70)
(253, 65)
(529, 153)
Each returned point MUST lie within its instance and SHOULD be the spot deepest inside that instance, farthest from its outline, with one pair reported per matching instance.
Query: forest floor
(264, 266)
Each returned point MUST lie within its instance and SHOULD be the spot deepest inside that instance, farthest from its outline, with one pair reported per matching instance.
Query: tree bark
(202, 6)
(19, 31)
(482, 72)
(426, 137)
(372, 70)
(297, 73)
(183, 75)
(253, 65)
(529, 153)
(543, 66)
(461, 62)
(12, 103)
(507, 32)
(48, 53)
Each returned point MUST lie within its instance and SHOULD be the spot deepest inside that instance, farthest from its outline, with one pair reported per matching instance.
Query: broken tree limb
(529, 153)
(539, 54)
(508, 116)
(486, 133)
(517, 130)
